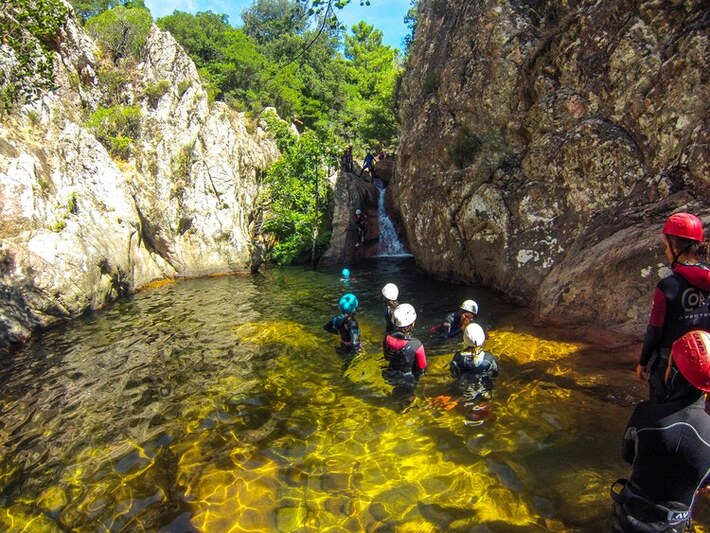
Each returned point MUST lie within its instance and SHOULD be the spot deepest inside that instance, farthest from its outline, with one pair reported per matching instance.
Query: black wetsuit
(681, 303)
(349, 330)
(474, 378)
(389, 307)
(452, 325)
(668, 444)
(406, 358)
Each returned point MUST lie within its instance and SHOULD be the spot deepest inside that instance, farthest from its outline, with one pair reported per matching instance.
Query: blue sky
(385, 15)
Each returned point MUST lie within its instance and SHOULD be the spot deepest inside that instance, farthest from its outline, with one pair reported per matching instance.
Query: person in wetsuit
(454, 323)
(404, 354)
(681, 301)
(667, 441)
(390, 293)
(345, 324)
(360, 220)
(474, 368)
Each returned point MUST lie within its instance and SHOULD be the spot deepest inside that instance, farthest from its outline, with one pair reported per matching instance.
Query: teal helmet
(348, 303)
(345, 273)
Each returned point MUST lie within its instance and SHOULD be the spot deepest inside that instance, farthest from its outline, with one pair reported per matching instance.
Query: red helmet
(691, 354)
(684, 225)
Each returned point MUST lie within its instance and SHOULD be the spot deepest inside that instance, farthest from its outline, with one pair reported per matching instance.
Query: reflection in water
(221, 405)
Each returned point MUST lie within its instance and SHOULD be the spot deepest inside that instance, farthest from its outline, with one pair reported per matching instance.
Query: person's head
(473, 336)
(469, 309)
(404, 316)
(683, 237)
(358, 212)
(345, 273)
(691, 356)
(348, 303)
(390, 291)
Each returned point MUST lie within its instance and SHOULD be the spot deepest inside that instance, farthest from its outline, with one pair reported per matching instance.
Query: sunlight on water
(221, 405)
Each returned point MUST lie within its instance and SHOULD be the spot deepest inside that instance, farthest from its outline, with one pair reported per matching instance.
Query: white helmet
(390, 291)
(404, 315)
(358, 211)
(474, 335)
(470, 306)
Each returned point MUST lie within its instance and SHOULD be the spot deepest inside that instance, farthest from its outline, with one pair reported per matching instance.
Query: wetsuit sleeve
(654, 331)
(329, 326)
(628, 445)
(355, 333)
(445, 327)
(421, 358)
(333, 325)
(651, 342)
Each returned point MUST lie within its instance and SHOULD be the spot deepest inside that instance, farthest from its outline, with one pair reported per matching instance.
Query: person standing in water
(390, 293)
(454, 323)
(474, 368)
(345, 324)
(681, 301)
(404, 354)
(667, 442)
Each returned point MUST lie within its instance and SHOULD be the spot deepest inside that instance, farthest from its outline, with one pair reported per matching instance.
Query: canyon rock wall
(80, 227)
(544, 143)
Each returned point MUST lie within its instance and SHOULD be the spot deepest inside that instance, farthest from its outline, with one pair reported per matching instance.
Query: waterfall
(389, 244)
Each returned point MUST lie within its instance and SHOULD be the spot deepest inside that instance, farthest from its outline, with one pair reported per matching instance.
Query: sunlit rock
(542, 147)
(81, 227)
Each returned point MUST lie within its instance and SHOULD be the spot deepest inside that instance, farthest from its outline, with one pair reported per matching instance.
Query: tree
(296, 218)
(122, 31)
(85, 9)
(373, 72)
(29, 30)
(267, 20)
(228, 58)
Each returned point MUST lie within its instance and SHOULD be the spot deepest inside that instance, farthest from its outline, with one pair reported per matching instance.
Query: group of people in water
(472, 368)
(667, 439)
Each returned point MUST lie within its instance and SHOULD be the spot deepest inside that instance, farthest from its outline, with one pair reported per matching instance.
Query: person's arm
(332, 325)
(445, 327)
(628, 445)
(420, 359)
(654, 332)
(355, 334)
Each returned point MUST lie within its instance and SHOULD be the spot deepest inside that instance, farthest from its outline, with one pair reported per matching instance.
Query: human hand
(641, 372)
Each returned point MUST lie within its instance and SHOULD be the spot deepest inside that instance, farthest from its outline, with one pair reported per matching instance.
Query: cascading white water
(389, 245)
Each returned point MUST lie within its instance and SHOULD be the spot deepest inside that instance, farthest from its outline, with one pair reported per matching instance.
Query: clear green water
(221, 405)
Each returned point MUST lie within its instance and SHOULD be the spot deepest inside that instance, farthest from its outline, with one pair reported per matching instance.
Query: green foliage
(85, 9)
(155, 91)
(29, 29)
(294, 218)
(431, 84)
(374, 71)
(267, 20)
(464, 148)
(112, 82)
(121, 31)
(116, 128)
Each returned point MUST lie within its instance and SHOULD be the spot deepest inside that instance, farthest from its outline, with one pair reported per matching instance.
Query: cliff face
(80, 227)
(544, 143)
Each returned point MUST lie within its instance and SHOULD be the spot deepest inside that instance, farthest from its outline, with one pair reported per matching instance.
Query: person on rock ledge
(360, 220)
(681, 301)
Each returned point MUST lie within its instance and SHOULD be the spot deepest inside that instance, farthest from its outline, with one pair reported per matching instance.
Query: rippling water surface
(221, 405)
